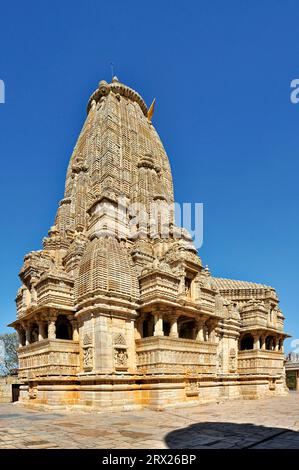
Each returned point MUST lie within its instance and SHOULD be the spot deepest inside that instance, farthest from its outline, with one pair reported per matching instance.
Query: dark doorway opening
(63, 328)
(15, 392)
(246, 343)
(166, 328)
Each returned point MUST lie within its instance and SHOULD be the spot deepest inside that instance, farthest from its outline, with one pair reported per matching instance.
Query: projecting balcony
(158, 285)
(258, 361)
(49, 291)
(54, 291)
(166, 355)
(250, 321)
(48, 358)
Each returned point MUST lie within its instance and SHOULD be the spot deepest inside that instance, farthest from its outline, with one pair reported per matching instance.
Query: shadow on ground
(221, 435)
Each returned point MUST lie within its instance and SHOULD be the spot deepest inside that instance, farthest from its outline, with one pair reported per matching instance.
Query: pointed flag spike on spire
(151, 110)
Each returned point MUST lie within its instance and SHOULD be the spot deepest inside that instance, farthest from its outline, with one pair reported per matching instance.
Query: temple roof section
(230, 284)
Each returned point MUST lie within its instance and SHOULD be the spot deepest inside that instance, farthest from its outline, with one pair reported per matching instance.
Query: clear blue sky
(221, 74)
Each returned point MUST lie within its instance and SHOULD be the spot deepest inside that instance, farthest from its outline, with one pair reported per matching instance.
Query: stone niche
(87, 352)
(120, 352)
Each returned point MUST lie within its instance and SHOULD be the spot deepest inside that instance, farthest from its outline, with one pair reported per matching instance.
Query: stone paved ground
(270, 423)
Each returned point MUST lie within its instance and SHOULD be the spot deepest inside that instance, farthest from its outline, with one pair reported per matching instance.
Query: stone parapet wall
(260, 362)
(49, 358)
(175, 355)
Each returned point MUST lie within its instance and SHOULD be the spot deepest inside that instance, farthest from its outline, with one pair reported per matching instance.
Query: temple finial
(151, 110)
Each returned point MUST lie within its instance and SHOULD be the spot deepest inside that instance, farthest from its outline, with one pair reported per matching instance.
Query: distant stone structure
(9, 388)
(292, 371)
(112, 320)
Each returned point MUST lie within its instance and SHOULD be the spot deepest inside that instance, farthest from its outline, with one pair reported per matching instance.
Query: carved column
(27, 335)
(75, 329)
(194, 331)
(73, 322)
(26, 326)
(200, 334)
(256, 341)
(263, 342)
(174, 327)
(20, 332)
(139, 328)
(211, 330)
(158, 331)
(276, 344)
(20, 338)
(52, 327)
(212, 335)
(41, 330)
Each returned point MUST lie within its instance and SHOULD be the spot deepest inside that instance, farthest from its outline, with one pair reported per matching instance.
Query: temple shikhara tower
(113, 314)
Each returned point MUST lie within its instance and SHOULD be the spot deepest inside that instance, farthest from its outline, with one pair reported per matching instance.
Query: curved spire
(118, 154)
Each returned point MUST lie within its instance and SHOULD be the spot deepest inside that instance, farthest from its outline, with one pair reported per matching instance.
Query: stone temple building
(108, 315)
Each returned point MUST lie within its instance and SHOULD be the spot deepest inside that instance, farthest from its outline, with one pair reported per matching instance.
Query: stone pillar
(27, 334)
(158, 331)
(276, 344)
(200, 335)
(75, 331)
(139, 328)
(20, 338)
(297, 381)
(211, 331)
(174, 328)
(212, 335)
(205, 330)
(41, 330)
(256, 341)
(263, 342)
(194, 332)
(52, 327)
(20, 332)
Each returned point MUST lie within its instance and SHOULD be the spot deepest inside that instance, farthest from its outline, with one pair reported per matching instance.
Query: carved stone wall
(169, 355)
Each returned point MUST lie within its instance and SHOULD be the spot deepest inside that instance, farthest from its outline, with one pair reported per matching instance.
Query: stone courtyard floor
(268, 424)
